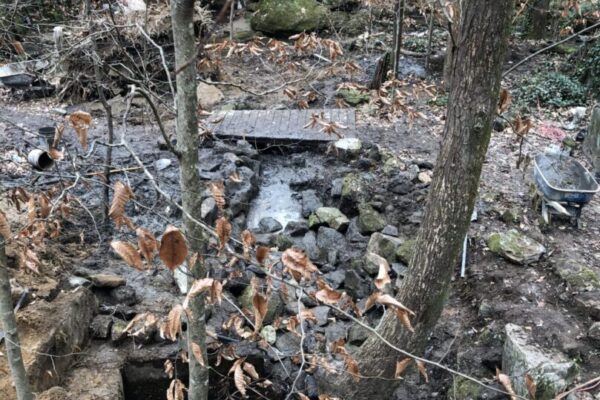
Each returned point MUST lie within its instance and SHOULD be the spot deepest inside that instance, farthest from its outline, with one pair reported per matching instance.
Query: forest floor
(555, 309)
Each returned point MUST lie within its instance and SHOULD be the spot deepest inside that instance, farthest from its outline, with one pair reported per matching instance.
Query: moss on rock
(288, 16)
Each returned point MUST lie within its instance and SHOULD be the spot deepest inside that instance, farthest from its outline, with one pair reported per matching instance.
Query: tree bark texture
(539, 19)
(398, 23)
(182, 12)
(475, 75)
(11, 337)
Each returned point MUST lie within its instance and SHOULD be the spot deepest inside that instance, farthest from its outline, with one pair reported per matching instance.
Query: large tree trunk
(11, 339)
(475, 76)
(182, 12)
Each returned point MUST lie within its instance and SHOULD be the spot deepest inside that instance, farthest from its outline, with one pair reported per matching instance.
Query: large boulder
(591, 144)
(288, 16)
(576, 273)
(551, 372)
(515, 247)
(208, 95)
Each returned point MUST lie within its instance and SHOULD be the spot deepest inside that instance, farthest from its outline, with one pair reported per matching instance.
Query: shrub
(550, 89)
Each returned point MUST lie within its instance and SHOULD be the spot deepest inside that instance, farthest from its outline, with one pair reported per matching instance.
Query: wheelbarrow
(563, 187)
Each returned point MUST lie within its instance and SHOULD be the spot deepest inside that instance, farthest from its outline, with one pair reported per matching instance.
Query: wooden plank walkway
(280, 125)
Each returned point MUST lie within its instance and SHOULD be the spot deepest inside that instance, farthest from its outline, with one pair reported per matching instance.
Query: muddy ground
(62, 317)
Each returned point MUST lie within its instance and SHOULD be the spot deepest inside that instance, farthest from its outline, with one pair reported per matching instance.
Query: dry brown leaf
(352, 367)
(147, 244)
(297, 263)
(19, 48)
(259, 307)
(302, 396)
(328, 295)
(175, 391)
(531, 386)
(169, 368)
(262, 253)
(383, 278)
(128, 253)
(58, 132)
(401, 366)
(404, 319)
(504, 101)
(173, 249)
(422, 370)
(248, 241)
(505, 381)
(56, 154)
(250, 370)
(122, 194)
(387, 300)
(4, 226)
(217, 190)
(338, 346)
(31, 210)
(81, 121)
(215, 289)
(44, 205)
(197, 352)
(173, 327)
(223, 229)
(238, 376)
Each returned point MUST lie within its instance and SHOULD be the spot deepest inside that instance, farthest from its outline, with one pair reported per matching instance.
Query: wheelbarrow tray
(21, 74)
(563, 179)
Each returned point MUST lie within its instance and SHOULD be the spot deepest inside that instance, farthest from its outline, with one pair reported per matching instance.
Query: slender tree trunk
(475, 76)
(11, 339)
(539, 19)
(182, 12)
(398, 22)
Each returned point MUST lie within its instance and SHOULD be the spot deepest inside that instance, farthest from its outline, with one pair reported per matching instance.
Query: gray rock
(321, 314)
(384, 245)
(329, 239)
(336, 187)
(288, 344)
(310, 202)
(405, 251)
(124, 295)
(356, 286)
(309, 245)
(269, 333)
(372, 262)
(269, 225)
(353, 234)
(591, 143)
(401, 183)
(515, 247)
(101, 326)
(118, 333)
(208, 211)
(353, 192)
(107, 280)
(241, 193)
(296, 228)
(357, 335)
(390, 230)
(369, 220)
(328, 216)
(335, 278)
(576, 273)
(594, 331)
(348, 148)
(208, 95)
(335, 331)
(77, 281)
(589, 303)
(552, 372)
(287, 17)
